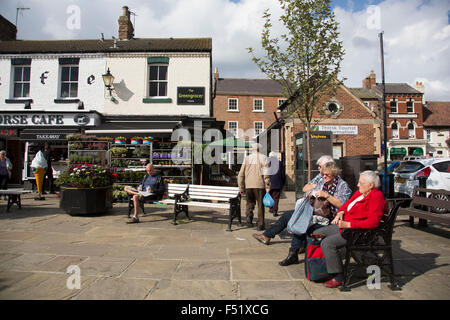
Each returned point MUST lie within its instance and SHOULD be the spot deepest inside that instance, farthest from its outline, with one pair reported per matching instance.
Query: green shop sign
(191, 95)
(399, 151)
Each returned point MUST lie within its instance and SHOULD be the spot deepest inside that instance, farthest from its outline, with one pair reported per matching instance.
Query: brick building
(246, 105)
(436, 123)
(404, 104)
(356, 128)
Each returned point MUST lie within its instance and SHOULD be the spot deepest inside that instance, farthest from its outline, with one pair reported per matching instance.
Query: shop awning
(418, 152)
(231, 142)
(398, 151)
(130, 128)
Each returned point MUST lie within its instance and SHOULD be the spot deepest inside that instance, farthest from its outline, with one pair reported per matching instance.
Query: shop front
(31, 131)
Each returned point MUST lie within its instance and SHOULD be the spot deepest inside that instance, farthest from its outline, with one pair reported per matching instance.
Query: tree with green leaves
(305, 59)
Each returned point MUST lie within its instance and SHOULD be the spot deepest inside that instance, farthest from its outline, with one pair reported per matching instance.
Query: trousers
(330, 247)
(255, 196)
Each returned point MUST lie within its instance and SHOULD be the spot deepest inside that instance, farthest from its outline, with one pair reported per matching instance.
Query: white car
(437, 171)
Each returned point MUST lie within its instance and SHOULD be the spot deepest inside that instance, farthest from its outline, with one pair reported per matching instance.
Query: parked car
(437, 171)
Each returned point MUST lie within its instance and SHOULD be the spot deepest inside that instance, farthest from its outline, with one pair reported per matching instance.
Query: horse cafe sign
(47, 119)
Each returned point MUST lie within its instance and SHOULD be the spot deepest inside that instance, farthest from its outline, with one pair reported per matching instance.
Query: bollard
(422, 184)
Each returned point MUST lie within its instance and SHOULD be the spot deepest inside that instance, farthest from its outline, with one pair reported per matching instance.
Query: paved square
(196, 259)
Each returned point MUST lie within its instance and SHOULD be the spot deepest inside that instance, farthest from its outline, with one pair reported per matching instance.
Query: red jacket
(367, 213)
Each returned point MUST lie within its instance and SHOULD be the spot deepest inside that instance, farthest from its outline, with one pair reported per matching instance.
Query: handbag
(301, 218)
(268, 201)
(315, 264)
(322, 207)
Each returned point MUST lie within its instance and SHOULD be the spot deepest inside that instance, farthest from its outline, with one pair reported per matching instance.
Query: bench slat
(433, 203)
(205, 204)
(217, 188)
(209, 198)
(442, 218)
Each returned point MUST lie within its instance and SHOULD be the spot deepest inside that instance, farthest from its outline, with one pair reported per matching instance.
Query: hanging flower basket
(136, 140)
(147, 140)
(120, 140)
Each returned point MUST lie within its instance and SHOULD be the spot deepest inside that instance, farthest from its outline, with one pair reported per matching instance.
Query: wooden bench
(423, 202)
(371, 247)
(14, 197)
(184, 196)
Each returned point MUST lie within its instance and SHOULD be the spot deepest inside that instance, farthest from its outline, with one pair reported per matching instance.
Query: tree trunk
(308, 149)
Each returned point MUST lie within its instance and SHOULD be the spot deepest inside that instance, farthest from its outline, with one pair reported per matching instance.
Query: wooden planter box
(76, 201)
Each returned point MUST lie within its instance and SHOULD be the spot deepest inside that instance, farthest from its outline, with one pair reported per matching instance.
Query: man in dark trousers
(49, 171)
(277, 182)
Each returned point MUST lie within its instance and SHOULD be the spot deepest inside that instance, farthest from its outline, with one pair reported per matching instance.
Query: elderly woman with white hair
(363, 210)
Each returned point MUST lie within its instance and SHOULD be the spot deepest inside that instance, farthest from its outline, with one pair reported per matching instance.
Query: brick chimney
(370, 81)
(216, 74)
(126, 30)
(421, 88)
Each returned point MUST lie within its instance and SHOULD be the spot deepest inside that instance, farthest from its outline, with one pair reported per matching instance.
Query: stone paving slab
(196, 259)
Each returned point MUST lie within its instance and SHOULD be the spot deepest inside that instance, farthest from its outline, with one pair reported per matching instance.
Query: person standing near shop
(253, 181)
(49, 172)
(277, 182)
(5, 171)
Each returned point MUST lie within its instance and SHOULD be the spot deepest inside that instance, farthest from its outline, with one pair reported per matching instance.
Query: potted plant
(136, 140)
(86, 189)
(120, 140)
(118, 151)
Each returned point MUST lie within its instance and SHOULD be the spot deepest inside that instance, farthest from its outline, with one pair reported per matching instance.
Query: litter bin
(352, 166)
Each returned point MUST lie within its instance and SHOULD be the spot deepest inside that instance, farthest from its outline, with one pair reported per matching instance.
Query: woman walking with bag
(5, 171)
(336, 192)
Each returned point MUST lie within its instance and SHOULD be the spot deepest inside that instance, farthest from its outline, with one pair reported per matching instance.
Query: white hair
(371, 177)
(274, 154)
(324, 159)
(256, 146)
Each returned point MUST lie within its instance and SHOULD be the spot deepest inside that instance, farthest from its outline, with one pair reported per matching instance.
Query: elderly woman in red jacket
(363, 210)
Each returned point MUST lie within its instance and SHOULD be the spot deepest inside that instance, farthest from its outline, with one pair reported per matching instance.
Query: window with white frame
(69, 81)
(428, 135)
(394, 128)
(411, 130)
(410, 106)
(393, 105)
(259, 127)
(280, 102)
(157, 80)
(21, 79)
(233, 127)
(258, 105)
(233, 104)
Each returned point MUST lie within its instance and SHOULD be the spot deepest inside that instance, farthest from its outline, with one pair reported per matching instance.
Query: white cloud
(416, 33)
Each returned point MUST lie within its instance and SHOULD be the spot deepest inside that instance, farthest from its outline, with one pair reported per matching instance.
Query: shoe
(261, 228)
(292, 258)
(333, 283)
(249, 224)
(275, 214)
(261, 238)
(134, 220)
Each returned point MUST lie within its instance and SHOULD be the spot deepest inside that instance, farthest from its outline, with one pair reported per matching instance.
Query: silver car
(437, 171)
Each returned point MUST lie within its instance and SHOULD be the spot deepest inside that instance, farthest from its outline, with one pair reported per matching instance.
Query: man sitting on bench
(151, 188)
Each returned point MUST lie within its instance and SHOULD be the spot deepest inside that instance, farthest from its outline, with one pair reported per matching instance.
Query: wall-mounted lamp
(81, 105)
(108, 79)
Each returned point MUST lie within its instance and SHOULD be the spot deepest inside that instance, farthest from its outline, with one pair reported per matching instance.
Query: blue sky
(416, 32)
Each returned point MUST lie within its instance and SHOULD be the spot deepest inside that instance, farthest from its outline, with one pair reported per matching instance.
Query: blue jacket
(278, 180)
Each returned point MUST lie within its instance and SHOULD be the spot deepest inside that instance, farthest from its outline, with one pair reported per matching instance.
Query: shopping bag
(315, 264)
(268, 201)
(301, 218)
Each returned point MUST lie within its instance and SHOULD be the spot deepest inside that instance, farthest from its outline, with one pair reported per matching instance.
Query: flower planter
(146, 142)
(78, 201)
(119, 142)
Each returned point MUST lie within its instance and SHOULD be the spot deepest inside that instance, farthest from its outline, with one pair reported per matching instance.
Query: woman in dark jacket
(277, 182)
(363, 210)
